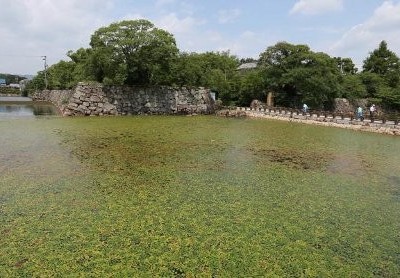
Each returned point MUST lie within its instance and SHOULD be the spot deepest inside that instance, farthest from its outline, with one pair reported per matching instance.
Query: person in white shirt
(305, 108)
(372, 110)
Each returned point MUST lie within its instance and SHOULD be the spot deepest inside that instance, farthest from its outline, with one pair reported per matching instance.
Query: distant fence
(387, 121)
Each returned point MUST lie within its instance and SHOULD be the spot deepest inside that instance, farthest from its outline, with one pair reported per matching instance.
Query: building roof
(246, 66)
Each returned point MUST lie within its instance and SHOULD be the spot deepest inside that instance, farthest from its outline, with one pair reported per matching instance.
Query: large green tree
(382, 61)
(381, 75)
(133, 52)
(353, 87)
(296, 74)
(61, 75)
(251, 86)
(85, 66)
(214, 70)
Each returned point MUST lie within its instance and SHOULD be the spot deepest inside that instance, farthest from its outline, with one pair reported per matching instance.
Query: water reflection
(26, 109)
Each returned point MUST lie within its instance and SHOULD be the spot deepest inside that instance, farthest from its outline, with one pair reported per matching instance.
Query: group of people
(360, 115)
(372, 111)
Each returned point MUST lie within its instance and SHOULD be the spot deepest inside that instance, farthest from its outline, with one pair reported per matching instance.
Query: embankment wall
(98, 100)
(378, 126)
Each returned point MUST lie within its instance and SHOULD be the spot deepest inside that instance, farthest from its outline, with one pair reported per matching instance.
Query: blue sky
(346, 28)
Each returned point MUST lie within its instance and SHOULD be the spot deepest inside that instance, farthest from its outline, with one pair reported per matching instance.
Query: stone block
(78, 94)
(94, 99)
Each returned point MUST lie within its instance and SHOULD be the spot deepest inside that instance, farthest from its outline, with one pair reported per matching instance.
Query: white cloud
(175, 25)
(227, 16)
(45, 27)
(363, 38)
(132, 17)
(160, 3)
(313, 7)
(247, 44)
(323, 29)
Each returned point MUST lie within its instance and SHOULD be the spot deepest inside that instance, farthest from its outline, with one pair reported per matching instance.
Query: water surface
(24, 107)
(196, 196)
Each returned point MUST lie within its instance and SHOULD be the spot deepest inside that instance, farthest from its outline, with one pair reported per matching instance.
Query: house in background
(2, 82)
(247, 66)
(14, 85)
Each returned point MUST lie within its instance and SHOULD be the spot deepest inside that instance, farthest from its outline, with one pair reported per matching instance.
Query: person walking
(360, 113)
(305, 108)
(372, 110)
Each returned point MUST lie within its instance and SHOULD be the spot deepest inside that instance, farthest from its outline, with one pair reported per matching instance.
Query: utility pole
(45, 70)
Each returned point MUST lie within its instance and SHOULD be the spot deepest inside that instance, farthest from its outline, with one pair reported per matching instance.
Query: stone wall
(60, 98)
(345, 106)
(387, 127)
(96, 99)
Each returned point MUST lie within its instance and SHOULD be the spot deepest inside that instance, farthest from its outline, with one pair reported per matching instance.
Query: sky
(30, 29)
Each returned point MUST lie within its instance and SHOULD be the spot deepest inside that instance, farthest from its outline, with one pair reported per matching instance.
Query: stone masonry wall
(60, 98)
(96, 99)
(387, 127)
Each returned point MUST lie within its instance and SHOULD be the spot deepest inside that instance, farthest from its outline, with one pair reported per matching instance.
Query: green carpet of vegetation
(196, 197)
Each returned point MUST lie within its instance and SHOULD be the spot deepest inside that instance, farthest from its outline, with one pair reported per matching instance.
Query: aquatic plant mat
(196, 197)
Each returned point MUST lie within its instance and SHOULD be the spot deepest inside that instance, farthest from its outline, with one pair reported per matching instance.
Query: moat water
(22, 107)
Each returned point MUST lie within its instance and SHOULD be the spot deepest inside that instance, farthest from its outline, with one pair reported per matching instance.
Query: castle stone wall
(98, 100)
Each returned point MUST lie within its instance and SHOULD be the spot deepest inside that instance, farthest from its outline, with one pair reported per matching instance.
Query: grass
(196, 197)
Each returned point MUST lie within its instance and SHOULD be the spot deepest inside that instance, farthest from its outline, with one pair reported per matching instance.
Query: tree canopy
(135, 52)
(381, 76)
(296, 74)
(215, 70)
(382, 61)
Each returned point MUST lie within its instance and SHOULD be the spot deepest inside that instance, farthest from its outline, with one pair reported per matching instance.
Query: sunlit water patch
(21, 107)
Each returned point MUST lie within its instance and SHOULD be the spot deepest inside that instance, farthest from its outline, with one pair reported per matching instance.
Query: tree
(373, 83)
(353, 87)
(132, 52)
(252, 86)
(214, 70)
(346, 65)
(37, 83)
(385, 63)
(381, 75)
(247, 60)
(83, 59)
(296, 74)
(61, 75)
(382, 61)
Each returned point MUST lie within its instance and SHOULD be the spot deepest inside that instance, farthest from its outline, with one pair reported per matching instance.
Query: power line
(22, 56)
